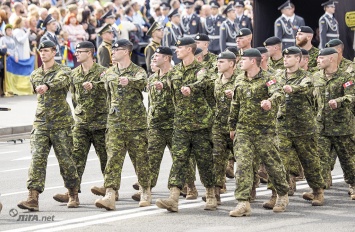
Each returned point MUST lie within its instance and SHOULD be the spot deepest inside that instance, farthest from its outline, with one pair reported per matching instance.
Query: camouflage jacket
(53, 111)
(341, 88)
(296, 114)
(346, 65)
(192, 112)
(222, 103)
(161, 107)
(276, 64)
(90, 105)
(126, 109)
(210, 62)
(312, 61)
(246, 115)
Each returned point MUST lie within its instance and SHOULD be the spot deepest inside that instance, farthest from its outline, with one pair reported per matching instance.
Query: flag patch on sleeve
(347, 84)
(270, 83)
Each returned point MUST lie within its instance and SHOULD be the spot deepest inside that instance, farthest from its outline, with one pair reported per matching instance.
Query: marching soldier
(242, 21)
(105, 50)
(328, 25)
(286, 26)
(51, 27)
(274, 46)
(304, 40)
(173, 33)
(209, 59)
(228, 31)
(156, 32)
(344, 64)
(52, 127)
(212, 27)
(243, 39)
(305, 60)
(191, 22)
(264, 65)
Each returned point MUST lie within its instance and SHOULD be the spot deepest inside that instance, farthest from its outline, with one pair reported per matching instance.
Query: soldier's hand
(41, 89)
(333, 104)
(266, 104)
(288, 89)
(232, 134)
(186, 91)
(87, 85)
(159, 85)
(229, 93)
(123, 81)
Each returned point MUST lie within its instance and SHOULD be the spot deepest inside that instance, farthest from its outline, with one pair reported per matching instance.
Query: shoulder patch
(269, 83)
(347, 84)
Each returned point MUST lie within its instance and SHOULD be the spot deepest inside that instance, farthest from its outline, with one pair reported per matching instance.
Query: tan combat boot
(191, 191)
(318, 199)
(352, 191)
(242, 209)
(62, 198)
(271, 203)
(309, 196)
(101, 191)
(211, 201)
(281, 203)
(292, 185)
(145, 198)
(171, 204)
(224, 189)
(108, 201)
(73, 198)
(32, 201)
(230, 169)
(183, 191)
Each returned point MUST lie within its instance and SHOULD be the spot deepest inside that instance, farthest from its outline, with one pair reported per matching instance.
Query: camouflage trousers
(82, 140)
(41, 143)
(158, 139)
(305, 147)
(222, 148)
(344, 147)
(246, 147)
(192, 144)
(118, 142)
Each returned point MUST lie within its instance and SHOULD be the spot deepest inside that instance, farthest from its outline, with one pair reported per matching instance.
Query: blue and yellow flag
(17, 76)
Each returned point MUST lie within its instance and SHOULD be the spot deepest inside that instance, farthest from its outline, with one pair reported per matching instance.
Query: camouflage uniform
(192, 125)
(222, 144)
(255, 132)
(160, 124)
(335, 127)
(312, 61)
(296, 126)
(90, 116)
(126, 125)
(52, 127)
(276, 64)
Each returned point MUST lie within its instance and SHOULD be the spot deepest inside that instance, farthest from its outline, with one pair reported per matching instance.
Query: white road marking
(139, 212)
(30, 157)
(8, 152)
(58, 187)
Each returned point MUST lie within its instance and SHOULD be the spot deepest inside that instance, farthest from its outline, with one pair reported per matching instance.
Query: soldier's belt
(230, 44)
(288, 40)
(332, 35)
(213, 36)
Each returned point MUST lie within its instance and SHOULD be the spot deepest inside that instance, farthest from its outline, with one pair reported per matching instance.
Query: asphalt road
(337, 214)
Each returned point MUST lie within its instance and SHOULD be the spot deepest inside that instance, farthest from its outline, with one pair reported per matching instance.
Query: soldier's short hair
(257, 59)
(193, 47)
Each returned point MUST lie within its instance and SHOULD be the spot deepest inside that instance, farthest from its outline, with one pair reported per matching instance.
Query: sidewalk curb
(15, 130)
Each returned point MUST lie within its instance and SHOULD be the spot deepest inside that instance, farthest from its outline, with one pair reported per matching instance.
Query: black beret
(121, 43)
(105, 28)
(305, 29)
(227, 55)
(108, 14)
(235, 50)
(46, 44)
(287, 4)
(304, 52)
(333, 43)
(262, 50)
(164, 51)
(251, 52)
(153, 28)
(244, 32)
(272, 41)
(47, 20)
(198, 51)
(173, 13)
(291, 51)
(85, 44)
(329, 3)
(327, 51)
(214, 4)
(184, 41)
(202, 37)
(229, 7)
(164, 5)
(239, 4)
(188, 4)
